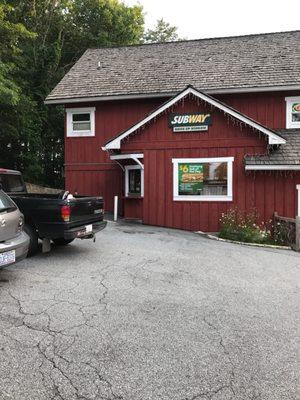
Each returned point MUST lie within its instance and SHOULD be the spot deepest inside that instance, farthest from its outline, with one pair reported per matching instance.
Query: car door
(9, 217)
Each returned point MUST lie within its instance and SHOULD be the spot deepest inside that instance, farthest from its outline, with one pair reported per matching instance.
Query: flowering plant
(243, 227)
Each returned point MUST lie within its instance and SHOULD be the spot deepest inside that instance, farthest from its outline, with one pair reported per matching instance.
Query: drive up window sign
(189, 122)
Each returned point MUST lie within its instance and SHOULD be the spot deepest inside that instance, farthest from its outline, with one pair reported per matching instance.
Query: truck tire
(62, 241)
(34, 239)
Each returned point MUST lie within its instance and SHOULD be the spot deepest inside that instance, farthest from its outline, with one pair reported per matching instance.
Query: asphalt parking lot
(148, 313)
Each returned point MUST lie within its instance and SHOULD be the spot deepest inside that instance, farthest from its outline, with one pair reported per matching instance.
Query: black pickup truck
(60, 218)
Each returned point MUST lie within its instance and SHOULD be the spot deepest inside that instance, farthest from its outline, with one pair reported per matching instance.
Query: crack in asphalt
(56, 358)
(85, 339)
(210, 394)
(135, 276)
(226, 352)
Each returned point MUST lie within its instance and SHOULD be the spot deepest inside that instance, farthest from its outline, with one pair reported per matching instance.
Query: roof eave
(64, 100)
(272, 167)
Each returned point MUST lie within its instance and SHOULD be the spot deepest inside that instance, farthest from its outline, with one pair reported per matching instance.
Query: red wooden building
(180, 155)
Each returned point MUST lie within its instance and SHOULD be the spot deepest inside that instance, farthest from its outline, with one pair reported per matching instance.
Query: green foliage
(40, 41)
(10, 33)
(17, 134)
(105, 23)
(243, 227)
(163, 32)
(9, 90)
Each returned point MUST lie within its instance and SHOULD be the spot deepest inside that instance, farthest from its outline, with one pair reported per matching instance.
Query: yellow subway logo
(189, 119)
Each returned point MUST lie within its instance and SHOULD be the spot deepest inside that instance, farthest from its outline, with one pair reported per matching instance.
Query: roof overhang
(126, 156)
(275, 167)
(169, 94)
(133, 157)
(273, 137)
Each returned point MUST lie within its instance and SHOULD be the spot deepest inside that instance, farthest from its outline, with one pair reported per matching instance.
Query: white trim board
(278, 167)
(298, 189)
(126, 156)
(272, 136)
(254, 89)
(206, 159)
(134, 157)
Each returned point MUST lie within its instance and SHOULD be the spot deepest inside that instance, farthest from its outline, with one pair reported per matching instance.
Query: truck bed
(58, 217)
(44, 211)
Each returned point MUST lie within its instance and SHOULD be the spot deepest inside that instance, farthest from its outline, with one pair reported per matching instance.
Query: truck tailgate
(86, 210)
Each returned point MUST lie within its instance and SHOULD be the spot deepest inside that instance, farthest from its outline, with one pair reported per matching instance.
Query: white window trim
(289, 123)
(127, 168)
(177, 197)
(298, 189)
(70, 112)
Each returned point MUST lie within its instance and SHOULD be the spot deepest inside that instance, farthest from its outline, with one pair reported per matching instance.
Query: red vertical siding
(250, 190)
(89, 170)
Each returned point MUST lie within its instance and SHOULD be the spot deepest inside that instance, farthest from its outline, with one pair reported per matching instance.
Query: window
(292, 112)
(202, 179)
(134, 181)
(12, 183)
(6, 204)
(81, 121)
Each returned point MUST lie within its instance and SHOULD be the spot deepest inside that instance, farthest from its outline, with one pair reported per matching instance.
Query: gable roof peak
(273, 137)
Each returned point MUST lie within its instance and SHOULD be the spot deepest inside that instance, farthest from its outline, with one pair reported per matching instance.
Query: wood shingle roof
(211, 65)
(285, 155)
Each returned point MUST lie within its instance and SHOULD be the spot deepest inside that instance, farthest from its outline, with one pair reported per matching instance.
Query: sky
(197, 19)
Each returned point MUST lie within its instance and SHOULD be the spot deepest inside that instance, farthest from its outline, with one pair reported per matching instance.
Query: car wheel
(62, 241)
(33, 245)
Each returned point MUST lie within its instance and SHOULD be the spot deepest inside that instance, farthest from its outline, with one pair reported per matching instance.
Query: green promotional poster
(190, 178)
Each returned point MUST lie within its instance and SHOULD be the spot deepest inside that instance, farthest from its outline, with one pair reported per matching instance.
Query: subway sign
(193, 122)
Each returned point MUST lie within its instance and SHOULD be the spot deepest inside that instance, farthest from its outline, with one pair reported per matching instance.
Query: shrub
(243, 227)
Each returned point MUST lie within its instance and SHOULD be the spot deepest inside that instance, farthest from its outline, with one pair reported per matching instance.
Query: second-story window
(81, 121)
(292, 112)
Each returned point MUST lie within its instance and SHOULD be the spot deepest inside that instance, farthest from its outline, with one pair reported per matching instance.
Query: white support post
(115, 208)
(297, 244)
(298, 189)
(297, 222)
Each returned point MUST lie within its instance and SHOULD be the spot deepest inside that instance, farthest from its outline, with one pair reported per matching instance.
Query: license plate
(81, 233)
(7, 257)
(85, 231)
(88, 228)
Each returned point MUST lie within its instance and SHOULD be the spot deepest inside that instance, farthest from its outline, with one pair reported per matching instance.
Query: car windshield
(11, 183)
(6, 202)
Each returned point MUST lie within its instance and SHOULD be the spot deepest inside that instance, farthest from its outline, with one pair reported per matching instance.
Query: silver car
(14, 241)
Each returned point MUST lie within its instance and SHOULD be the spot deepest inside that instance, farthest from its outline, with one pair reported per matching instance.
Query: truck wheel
(62, 241)
(33, 245)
